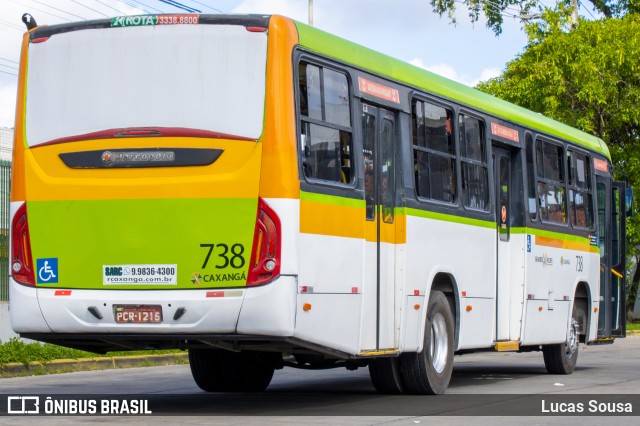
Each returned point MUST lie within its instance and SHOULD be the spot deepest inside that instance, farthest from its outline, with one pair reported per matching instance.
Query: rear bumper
(44, 313)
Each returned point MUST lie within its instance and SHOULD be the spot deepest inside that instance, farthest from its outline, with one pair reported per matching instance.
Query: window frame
(302, 120)
(531, 176)
(418, 97)
(541, 140)
(462, 159)
(570, 160)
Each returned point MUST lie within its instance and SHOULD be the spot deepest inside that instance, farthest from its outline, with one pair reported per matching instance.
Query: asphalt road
(607, 379)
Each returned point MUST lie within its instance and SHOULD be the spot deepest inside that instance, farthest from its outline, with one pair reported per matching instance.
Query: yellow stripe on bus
(234, 175)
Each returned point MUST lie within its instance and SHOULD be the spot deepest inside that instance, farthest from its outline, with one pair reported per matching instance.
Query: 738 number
(229, 256)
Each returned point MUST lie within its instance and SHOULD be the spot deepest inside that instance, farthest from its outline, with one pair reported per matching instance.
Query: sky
(405, 29)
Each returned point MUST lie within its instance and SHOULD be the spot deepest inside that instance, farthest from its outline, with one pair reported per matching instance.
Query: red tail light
(265, 256)
(21, 260)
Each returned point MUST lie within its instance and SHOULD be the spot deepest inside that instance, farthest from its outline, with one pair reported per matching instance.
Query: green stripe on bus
(331, 199)
(427, 214)
(447, 217)
(351, 53)
(490, 224)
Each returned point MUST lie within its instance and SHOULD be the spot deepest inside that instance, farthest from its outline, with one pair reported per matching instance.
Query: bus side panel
(473, 332)
(331, 280)
(467, 253)
(411, 333)
(555, 264)
(545, 321)
(332, 240)
(516, 289)
(331, 320)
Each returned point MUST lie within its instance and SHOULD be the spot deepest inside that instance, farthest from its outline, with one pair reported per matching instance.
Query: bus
(264, 194)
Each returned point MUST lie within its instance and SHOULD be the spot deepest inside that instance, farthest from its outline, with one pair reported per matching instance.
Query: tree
(588, 78)
(496, 10)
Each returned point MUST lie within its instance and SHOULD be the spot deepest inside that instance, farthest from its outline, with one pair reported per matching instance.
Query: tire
(562, 358)
(216, 370)
(428, 372)
(386, 376)
(248, 371)
(206, 369)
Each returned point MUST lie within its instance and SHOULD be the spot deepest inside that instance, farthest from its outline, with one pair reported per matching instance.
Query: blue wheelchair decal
(47, 270)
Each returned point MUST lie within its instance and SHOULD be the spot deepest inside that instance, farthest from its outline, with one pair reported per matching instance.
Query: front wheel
(561, 358)
(429, 371)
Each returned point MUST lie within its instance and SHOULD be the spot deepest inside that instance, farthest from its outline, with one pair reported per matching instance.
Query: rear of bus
(143, 215)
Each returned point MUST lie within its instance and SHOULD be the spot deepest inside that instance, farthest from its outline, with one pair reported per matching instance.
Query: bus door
(610, 200)
(502, 172)
(379, 162)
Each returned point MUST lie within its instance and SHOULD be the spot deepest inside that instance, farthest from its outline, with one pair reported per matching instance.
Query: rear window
(200, 77)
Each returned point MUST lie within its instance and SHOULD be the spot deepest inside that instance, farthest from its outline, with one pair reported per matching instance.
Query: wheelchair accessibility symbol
(47, 270)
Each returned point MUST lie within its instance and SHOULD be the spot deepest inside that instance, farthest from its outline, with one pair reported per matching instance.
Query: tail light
(265, 256)
(21, 260)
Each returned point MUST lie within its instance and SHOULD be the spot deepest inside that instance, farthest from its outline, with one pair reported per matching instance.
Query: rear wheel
(386, 376)
(206, 369)
(429, 371)
(216, 370)
(562, 358)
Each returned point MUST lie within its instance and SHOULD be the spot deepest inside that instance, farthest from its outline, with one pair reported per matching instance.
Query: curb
(86, 364)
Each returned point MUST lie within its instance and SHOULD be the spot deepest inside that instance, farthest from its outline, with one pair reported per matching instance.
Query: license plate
(138, 313)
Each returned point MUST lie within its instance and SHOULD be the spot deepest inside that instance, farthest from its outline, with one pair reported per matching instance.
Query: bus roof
(370, 60)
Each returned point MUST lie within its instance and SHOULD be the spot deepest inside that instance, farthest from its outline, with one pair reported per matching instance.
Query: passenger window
(475, 177)
(336, 98)
(325, 124)
(551, 192)
(580, 190)
(310, 99)
(433, 152)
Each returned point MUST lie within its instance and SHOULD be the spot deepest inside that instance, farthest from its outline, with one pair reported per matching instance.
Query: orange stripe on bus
(564, 244)
(331, 219)
(350, 222)
(18, 186)
(279, 175)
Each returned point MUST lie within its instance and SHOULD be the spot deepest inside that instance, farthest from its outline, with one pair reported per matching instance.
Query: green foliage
(588, 78)
(527, 10)
(494, 11)
(16, 350)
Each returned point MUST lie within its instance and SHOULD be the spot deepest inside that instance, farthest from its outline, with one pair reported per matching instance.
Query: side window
(325, 124)
(473, 156)
(551, 192)
(433, 152)
(580, 190)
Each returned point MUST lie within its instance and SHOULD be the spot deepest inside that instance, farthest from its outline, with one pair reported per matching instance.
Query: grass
(18, 351)
(633, 326)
